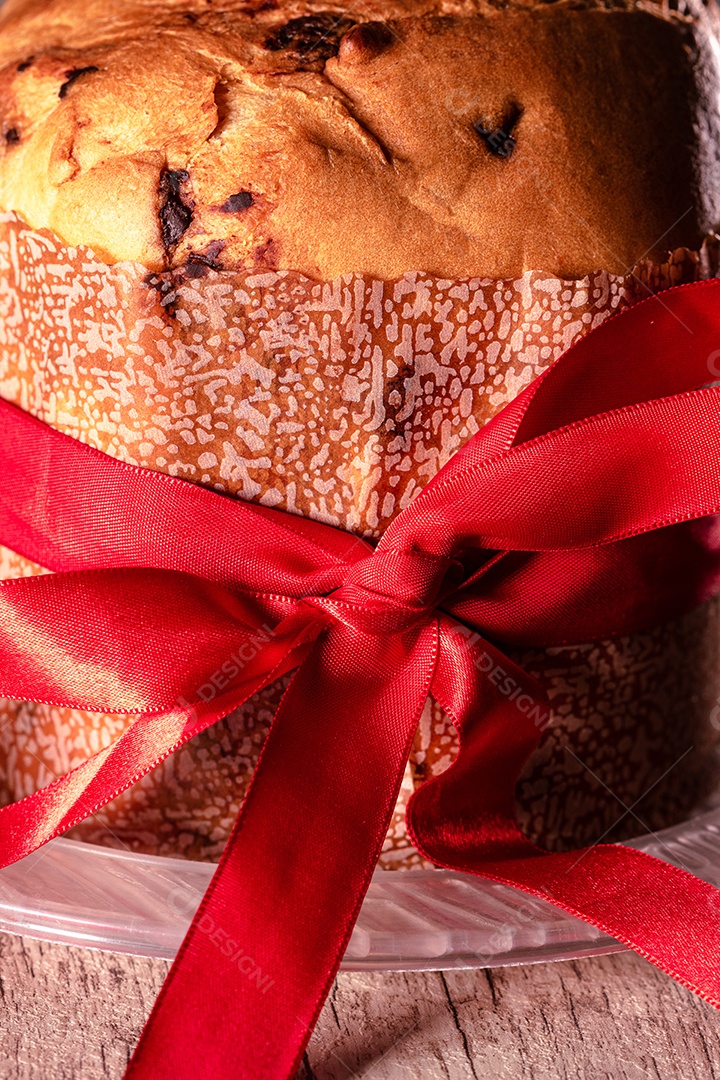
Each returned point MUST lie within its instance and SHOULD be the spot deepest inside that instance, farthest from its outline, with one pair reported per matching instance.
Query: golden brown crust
(300, 137)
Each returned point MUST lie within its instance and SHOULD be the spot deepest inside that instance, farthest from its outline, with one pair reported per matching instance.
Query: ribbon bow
(575, 514)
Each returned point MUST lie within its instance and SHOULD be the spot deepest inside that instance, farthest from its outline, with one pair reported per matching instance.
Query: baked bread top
(241, 133)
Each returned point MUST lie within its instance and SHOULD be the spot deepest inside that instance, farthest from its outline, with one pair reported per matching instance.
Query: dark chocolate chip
(211, 252)
(12, 135)
(310, 37)
(199, 262)
(173, 179)
(195, 268)
(25, 64)
(497, 141)
(73, 75)
(513, 112)
(500, 140)
(175, 219)
(176, 208)
(241, 201)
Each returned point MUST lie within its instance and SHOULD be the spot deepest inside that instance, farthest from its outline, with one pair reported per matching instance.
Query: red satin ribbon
(583, 509)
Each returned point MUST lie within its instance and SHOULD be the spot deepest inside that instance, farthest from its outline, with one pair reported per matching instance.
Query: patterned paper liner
(337, 401)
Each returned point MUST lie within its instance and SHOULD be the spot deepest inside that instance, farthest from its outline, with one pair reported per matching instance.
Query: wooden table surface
(75, 1014)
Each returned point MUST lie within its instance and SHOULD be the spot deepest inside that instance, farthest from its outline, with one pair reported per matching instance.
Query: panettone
(302, 137)
(301, 255)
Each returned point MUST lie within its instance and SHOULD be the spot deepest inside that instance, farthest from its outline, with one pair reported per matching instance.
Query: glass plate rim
(120, 901)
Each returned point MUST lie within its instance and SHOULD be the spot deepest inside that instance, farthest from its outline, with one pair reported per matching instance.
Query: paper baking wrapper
(338, 401)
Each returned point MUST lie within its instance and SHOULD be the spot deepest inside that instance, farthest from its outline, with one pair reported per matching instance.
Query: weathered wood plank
(74, 1014)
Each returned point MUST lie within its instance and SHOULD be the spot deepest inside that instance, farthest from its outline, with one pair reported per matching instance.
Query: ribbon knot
(390, 590)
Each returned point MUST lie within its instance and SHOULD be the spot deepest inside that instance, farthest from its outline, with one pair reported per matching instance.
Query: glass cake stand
(82, 894)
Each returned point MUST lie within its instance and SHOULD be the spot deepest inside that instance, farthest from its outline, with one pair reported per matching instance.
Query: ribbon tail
(266, 942)
(465, 820)
(27, 824)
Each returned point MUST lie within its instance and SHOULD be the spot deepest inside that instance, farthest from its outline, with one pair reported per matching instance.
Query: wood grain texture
(75, 1014)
